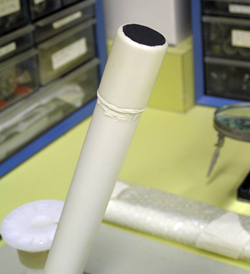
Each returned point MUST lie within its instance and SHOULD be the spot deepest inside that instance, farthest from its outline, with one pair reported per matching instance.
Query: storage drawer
(62, 20)
(227, 78)
(16, 42)
(41, 8)
(69, 2)
(31, 117)
(18, 77)
(231, 8)
(13, 15)
(66, 51)
(227, 38)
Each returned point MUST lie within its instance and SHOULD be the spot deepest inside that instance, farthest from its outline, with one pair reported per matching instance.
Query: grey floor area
(119, 252)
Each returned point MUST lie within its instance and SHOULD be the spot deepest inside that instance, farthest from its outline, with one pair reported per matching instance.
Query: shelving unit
(75, 118)
(199, 51)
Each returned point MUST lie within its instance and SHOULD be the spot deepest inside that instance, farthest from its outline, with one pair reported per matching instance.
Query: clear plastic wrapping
(180, 219)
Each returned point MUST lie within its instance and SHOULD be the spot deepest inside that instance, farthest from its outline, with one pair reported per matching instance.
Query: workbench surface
(170, 151)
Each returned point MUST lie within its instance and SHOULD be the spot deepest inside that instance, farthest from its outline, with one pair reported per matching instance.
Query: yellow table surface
(170, 151)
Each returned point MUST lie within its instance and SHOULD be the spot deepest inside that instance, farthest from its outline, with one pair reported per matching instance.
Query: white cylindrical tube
(132, 68)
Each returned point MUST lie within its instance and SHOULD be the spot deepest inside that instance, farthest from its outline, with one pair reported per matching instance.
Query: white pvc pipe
(128, 79)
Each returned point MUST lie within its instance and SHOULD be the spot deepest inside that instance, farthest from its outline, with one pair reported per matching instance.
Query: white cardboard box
(170, 17)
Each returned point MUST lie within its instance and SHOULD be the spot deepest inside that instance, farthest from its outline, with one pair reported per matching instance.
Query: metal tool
(216, 154)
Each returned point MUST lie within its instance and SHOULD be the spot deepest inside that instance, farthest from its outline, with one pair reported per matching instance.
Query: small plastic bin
(232, 8)
(13, 15)
(227, 78)
(16, 42)
(28, 119)
(62, 20)
(69, 2)
(18, 77)
(42, 8)
(227, 38)
(66, 51)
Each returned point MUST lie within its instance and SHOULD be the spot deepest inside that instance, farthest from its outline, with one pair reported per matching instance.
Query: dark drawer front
(227, 78)
(41, 8)
(240, 8)
(16, 42)
(226, 38)
(62, 20)
(13, 15)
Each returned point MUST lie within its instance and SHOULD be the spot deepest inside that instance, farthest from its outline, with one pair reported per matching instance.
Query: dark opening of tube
(144, 35)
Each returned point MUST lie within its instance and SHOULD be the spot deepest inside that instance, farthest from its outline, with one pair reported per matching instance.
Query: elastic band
(121, 114)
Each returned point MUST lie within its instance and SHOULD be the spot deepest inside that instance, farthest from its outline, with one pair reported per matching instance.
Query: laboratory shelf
(71, 121)
(199, 70)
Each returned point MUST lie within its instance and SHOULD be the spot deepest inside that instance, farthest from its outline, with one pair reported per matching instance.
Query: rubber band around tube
(121, 114)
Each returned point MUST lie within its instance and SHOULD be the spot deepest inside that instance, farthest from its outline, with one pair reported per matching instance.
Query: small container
(13, 15)
(226, 37)
(227, 78)
(69, 2)
(42, 8)
(16, 42)
(232, 8)
(18, 77)
(62, 20)
(30, 229)
(66, 51)
(26, 120)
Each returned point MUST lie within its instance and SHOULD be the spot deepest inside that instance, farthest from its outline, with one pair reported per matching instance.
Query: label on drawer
(240, 38)
(242, 9)
(9, 6)
(7, 49)
(66, 20)
(36, 2)
(69, 53)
